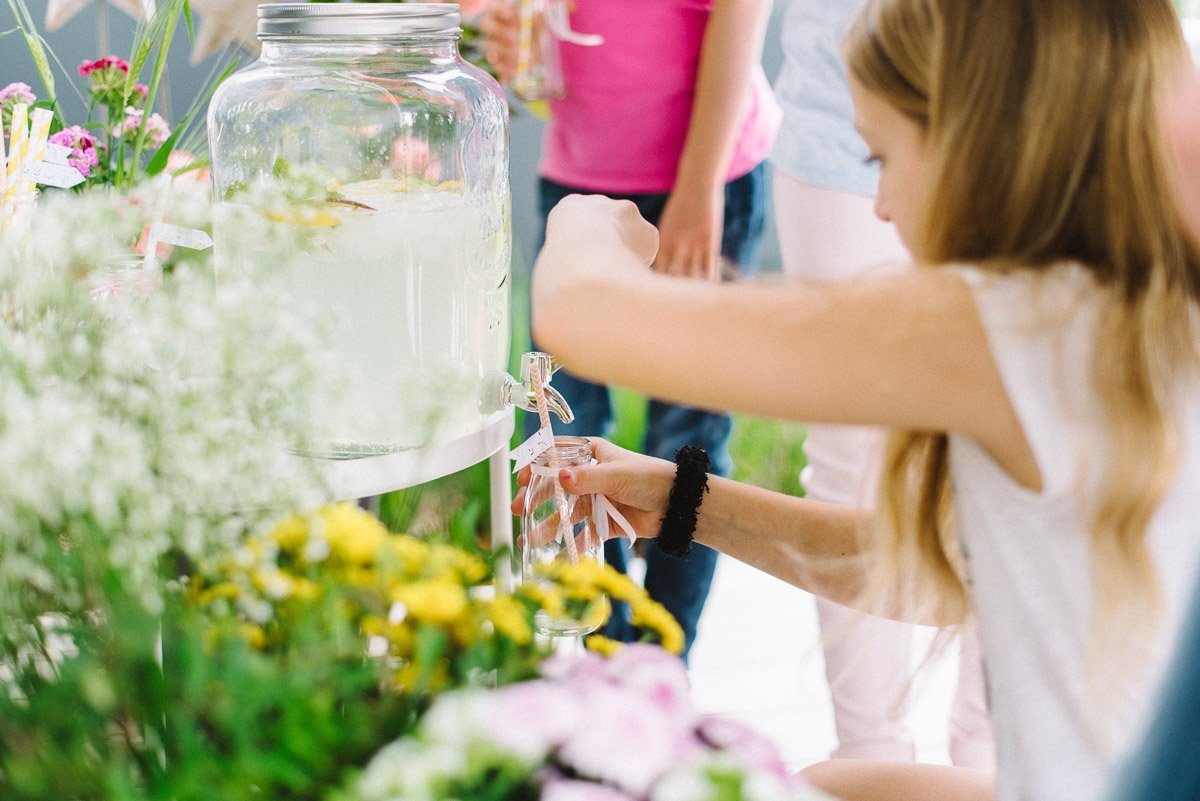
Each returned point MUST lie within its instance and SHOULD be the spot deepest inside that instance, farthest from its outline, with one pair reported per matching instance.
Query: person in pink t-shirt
(673, 112)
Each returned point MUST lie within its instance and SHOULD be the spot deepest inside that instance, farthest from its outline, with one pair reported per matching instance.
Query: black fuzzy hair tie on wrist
(678, 529)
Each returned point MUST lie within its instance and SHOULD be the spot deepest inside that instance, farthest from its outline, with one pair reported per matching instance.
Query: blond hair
(1041, 129)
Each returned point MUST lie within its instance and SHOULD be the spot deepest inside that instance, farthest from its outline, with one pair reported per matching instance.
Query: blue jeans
(681, 585)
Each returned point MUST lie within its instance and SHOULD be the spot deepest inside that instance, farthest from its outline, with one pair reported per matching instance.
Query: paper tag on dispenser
(532, 448)
(178, 235)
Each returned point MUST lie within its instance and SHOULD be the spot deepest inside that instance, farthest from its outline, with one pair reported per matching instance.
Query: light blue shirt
(817, 143)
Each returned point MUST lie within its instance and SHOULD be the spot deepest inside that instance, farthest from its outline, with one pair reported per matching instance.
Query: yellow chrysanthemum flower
(410, 553)
(410, 678)
(399, 635)
(290, 534)
(305, 589)
(619, 586)
(435, 601)
(547, 596)
(354, 535)
(653, 616)
(602, 645)
(508, 616)
(254, 635)
(226, 589)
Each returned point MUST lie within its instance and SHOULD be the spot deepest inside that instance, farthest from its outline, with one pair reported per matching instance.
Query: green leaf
(188, 22)
(158, 161)
(39, 61)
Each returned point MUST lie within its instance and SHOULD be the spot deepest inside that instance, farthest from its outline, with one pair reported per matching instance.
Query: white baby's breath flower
(142, 426)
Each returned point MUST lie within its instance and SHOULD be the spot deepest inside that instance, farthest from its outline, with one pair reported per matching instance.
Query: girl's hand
(602, 228)
(638, 486)
(588, 239)
(499, 26)
(691, 228)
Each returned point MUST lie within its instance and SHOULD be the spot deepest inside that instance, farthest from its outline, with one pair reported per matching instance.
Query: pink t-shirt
(621, 127)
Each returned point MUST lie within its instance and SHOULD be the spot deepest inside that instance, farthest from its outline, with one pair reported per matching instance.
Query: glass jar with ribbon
(565, 532)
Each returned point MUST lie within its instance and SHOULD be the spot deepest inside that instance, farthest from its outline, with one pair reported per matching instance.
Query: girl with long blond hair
(1039, 369)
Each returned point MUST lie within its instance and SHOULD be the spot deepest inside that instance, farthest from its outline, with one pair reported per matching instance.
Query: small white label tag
(60, 176)
(56, 154)
(178, 235)
(532, 448)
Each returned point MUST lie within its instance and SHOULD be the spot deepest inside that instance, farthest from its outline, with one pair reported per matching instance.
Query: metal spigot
(521, 394)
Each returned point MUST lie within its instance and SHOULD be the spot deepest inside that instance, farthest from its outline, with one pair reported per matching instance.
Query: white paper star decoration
(222, 22)
(58, 12)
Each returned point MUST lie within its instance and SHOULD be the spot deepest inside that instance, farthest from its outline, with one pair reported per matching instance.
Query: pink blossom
(84, 155)
(177, 164)
(744, 743)
(115, 283)
(472, 8)
(16, 93)
(657, 676)
(621, 743)
(10, 96)
(412, 158)
(571, 790)
(588, 666)
(157, 130)
(87, 68)
(532, 718)
(141, 90)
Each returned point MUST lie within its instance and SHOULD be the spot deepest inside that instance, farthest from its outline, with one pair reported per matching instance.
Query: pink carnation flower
(157, 130)
(17, 93)
(623, 744)
(10, 96)
(84, 155)
(744, 744)
(88, 68)
(657, 676)
(532, 718)
(571, 790)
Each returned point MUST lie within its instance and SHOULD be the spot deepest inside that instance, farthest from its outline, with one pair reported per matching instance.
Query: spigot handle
(510, 392)
(547, 365)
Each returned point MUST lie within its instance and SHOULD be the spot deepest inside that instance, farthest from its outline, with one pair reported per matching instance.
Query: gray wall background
(76, 41)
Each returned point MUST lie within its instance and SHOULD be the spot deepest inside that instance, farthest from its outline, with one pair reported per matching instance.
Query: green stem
(165, 37)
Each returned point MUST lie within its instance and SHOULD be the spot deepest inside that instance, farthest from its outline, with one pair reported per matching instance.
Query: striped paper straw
(17, 144)
(3, 172)
(522, 81)
(38, 134)
(566, 533)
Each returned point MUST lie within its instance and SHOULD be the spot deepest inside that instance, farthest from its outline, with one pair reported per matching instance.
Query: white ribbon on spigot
(558, 20)
(602, 507)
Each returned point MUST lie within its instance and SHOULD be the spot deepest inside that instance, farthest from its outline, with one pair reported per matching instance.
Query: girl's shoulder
(1018, 300)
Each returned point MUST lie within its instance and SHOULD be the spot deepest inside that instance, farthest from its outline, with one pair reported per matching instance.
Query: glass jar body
(388, 162)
